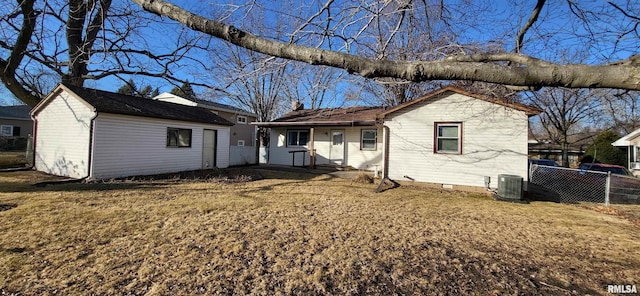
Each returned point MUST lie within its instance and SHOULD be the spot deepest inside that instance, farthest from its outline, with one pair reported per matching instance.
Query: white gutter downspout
(91, 142)
(385, 159)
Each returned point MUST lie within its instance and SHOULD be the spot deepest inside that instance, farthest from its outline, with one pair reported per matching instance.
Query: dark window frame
(174, 136)
(436, 137)
(297, 142)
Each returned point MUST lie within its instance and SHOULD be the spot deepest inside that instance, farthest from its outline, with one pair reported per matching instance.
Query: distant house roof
(529, 110)
(20, 112)
(203, 103)
(544, 147)
(109, 102)
(351, 116)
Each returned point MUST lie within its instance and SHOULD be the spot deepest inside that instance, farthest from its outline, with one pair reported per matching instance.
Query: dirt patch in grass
(302, 234)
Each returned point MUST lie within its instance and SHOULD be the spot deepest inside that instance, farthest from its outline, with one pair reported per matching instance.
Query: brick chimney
(296, 105)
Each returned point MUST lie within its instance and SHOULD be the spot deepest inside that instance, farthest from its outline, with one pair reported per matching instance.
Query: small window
(369, 140)
(296, 138)
(448, 138)
(6, 130)
(178, 137)
(242, 119)
(240, 142)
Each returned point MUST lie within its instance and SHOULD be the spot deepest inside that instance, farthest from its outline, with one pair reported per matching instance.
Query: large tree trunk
(565, 153)
(11, 64)
(522, 70)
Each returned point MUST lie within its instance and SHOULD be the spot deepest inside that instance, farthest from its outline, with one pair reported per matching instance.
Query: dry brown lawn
(300, 234)
(12, 159)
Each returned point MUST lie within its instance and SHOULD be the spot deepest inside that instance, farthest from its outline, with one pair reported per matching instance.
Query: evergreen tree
(129, 88)
(184, 91)
(604, 152)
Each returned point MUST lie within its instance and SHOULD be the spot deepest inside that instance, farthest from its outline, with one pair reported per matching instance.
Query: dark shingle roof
(351, 116)
(15, 112)
(529, 110)
(220, 105)
(109, 102)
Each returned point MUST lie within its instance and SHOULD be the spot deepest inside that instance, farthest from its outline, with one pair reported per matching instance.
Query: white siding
(242, 155)
(494, 141)
(62, 139)
(129, 145)
(354, 156)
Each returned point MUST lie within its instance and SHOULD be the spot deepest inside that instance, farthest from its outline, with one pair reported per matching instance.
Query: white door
(209, 149)
(336, 152)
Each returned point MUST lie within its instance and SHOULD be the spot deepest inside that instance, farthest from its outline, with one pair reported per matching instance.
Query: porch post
(312, 150)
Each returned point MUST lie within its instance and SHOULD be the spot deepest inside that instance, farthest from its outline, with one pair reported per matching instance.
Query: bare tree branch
(624, 76)
(532, 19)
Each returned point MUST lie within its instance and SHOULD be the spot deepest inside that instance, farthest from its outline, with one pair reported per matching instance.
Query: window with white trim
(242, 119)
(448, 137)
(178, 137)
(297, 138)
(240, 142)
(369, 139)
(6, 130)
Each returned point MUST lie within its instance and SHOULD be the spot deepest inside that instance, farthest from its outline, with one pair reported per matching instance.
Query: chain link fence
(624, 190)
(577, 186)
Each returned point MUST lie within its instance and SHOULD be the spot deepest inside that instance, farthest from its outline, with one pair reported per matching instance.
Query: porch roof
(627, 140)
(352, 116)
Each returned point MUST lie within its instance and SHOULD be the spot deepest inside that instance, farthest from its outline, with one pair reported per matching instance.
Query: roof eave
(316, 123)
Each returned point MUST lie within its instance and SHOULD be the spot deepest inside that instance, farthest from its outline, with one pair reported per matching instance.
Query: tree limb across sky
(503, 68)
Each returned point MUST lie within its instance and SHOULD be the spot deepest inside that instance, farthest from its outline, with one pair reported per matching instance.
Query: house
(450, 138)
(545, 148)
(339, 136)
(15, 121)
(242, 133)
(631, 141)
(88, 133)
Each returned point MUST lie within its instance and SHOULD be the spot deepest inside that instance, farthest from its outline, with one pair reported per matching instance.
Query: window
(178, 137)
(368, 140)
(297, 138)
(240, 142)
(6, 130)
(242, 119)
(448, 137)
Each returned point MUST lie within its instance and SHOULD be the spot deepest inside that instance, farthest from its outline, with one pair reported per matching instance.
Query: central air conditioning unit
(510, 187)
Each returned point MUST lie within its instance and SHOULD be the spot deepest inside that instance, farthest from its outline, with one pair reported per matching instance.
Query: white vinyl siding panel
(62, 139)
(494, 141)
(130, 145)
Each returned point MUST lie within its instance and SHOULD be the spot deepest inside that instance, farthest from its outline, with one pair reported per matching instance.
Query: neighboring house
(544, 148)
(547, 150)
(631, 141)
(243, 134)
(450, 137)
(15, 121)
(87, 133)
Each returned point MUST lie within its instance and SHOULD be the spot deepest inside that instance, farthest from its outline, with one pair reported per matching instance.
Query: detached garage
(88, 133)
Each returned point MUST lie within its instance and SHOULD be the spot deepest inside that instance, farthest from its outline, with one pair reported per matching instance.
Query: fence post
(607, 188)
